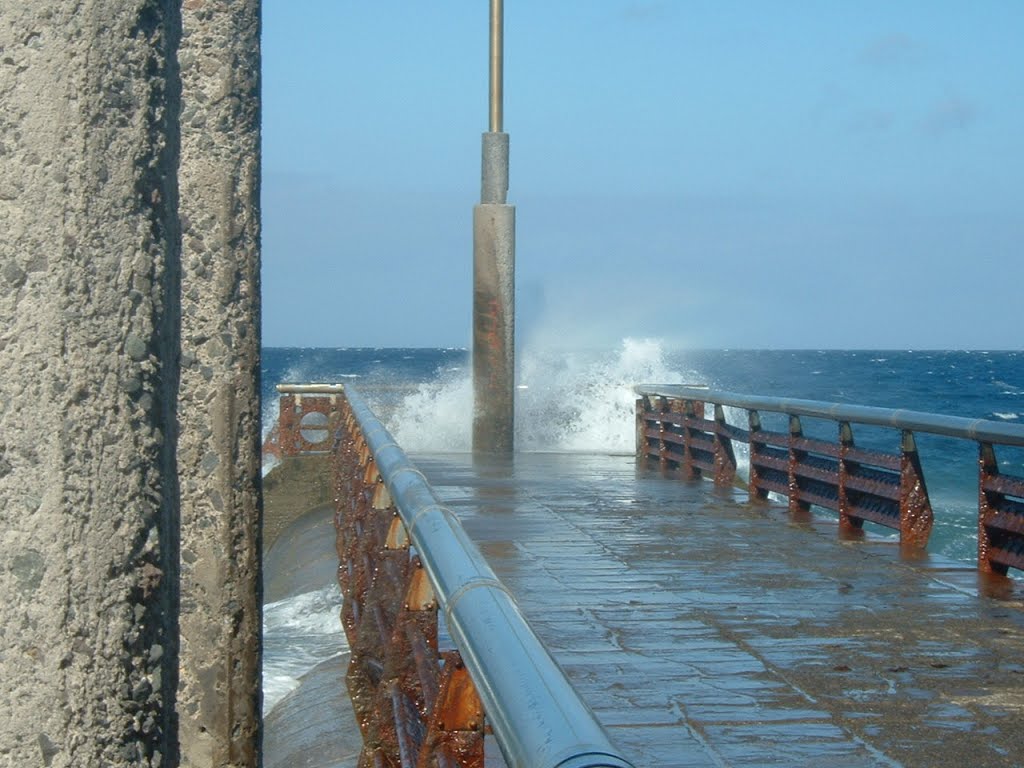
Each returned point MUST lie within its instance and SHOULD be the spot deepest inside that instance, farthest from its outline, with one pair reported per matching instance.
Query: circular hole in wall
(313, 427)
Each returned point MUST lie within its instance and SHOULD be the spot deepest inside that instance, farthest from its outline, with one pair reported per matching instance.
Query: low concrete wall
(290, 490)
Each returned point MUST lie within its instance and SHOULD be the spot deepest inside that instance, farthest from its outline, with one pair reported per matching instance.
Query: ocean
(582, 401)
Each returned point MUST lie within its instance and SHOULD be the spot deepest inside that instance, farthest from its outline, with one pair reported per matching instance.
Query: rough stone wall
(219, 446)
(129, 400)
(88, 262)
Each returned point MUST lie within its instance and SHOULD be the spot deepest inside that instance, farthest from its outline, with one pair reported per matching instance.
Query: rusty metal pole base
(493, 328)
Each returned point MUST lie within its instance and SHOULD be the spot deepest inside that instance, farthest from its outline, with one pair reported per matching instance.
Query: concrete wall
(122, 451)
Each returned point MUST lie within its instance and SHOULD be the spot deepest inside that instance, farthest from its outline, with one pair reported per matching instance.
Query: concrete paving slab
(706, 631)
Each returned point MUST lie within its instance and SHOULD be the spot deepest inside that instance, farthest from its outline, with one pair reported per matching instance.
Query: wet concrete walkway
(706, 632)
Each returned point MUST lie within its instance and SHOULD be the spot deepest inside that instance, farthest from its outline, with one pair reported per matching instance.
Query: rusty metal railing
(304, 422)
(404, 556)
(887, 488)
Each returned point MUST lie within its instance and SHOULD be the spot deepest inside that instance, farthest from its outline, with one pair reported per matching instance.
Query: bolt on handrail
(537, 717)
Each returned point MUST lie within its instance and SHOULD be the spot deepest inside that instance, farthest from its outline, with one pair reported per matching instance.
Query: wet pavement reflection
(706, 631)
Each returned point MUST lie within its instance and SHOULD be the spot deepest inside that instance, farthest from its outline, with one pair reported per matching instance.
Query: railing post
(641, 428)
(664, 406)
(916, 516)
(690, 470)
(849, 525)
(796, 432)
(640, 445)
(988, 506)
(455, 733)
(409, 684)
(725, 458)
(288, 424)
(757, 493)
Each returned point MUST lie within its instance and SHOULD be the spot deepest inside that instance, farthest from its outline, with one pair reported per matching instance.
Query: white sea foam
(271, 412)
(272, 406)
(437, 416)
(737, 417)
(566, 401)
(299, 633)
(1006, 416)
(270, 415)
(585, 401)
(269, 462)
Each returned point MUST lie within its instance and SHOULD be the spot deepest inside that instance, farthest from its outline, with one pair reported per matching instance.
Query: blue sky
(715, 174)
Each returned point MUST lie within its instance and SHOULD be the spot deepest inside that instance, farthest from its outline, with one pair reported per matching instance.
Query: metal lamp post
(494, 275)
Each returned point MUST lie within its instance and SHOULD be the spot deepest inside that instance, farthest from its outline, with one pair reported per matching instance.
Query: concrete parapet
(294, 487)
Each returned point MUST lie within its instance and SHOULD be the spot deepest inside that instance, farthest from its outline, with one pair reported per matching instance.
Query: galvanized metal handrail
(980, 430)
(537, 717)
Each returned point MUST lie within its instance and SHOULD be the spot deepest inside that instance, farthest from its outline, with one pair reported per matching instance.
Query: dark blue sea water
(583, 401)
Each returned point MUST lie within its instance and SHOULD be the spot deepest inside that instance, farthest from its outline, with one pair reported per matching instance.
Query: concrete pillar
(219, 414)
(129, 386)
(88, 376)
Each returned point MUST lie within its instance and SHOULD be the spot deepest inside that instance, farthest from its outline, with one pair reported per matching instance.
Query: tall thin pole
(497, 62)
(494, 274)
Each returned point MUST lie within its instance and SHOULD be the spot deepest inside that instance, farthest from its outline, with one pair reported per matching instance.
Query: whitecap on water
(584, 401)
(298, 633)
(437, 416)
(581, 401)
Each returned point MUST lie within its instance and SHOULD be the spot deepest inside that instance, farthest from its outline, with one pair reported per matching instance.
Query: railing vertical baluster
(663, 407)
(410, 678)
(988, 506)
(642, 446)
(288, 425)
(455, 733)
(850, 526)
(916, 516)
(725, 457)
(685, 408)
(690, 470)
(379, 578)
(756, 490)
(796, 505)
